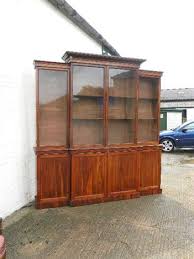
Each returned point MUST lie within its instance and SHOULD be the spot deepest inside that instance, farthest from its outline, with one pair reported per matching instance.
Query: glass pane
(52, 107)
(121, 112)
(189, 126)
(148, 88)
(87, 109)
(147, 110)
(147, 130)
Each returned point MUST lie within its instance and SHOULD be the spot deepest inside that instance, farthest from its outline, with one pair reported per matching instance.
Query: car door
(186, 135)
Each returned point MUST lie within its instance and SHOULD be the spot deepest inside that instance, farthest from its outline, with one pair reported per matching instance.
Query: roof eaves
(77, 19)
(176, 100)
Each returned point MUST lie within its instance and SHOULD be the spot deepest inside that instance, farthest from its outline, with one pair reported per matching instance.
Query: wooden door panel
(149, 163)
(122, 173)
(53, 180)
(88, 177)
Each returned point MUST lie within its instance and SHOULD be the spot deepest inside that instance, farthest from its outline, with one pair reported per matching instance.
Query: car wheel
(167, 145)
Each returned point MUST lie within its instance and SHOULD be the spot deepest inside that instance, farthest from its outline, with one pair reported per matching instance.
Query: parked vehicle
(180, 137)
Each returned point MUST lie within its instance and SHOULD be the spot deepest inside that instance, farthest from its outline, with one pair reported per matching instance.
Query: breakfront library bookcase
(97, 130)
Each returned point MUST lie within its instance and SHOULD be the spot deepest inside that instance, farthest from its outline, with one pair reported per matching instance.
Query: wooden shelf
(125, 97)
(88, 96)
(121, 118)
(101, 96)
(148, 98)
(147, 118)
(87, 118)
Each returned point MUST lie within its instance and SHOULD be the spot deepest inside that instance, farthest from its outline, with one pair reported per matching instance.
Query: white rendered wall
(190, 114)
(30, 30)
(174, 119)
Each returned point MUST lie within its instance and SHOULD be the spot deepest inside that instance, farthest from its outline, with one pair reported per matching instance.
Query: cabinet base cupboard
(97, 130)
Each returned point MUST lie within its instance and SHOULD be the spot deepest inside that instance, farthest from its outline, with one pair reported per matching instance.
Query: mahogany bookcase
(97, 130)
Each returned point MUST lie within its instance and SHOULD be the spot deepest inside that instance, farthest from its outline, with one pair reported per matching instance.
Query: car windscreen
(182, 125)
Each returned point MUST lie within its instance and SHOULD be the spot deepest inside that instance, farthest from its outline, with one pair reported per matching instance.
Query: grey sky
(162, 31)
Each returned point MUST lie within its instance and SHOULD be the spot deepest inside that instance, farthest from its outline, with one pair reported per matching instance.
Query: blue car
(180, 137)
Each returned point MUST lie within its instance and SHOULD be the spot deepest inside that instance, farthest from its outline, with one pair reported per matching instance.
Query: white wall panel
(174, 119)
(190, 114)
(30, 30)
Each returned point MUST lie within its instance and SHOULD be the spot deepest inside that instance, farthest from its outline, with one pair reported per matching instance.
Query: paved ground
(160, 226)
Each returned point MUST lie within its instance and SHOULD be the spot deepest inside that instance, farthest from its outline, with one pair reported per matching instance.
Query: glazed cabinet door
(87, 106)
(53, 180)
(148, 110)
(121, 106)
(52, 108)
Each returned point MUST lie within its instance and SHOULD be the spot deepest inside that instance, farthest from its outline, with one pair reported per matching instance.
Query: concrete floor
(159, 226)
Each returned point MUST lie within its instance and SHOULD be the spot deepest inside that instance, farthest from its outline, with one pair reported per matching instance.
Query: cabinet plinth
(97, 130)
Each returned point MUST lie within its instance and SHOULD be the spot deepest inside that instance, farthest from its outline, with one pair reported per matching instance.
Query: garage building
(177, 106)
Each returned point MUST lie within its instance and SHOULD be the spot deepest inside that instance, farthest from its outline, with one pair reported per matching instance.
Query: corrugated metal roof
(181, 94)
